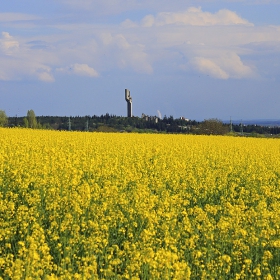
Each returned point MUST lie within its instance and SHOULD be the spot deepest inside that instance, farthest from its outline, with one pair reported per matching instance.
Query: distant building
(149, 118)
(184, 119)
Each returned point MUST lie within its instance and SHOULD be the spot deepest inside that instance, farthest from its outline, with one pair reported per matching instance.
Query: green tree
(213, 126)
(3, 118)
(25, 122)
(31, 117)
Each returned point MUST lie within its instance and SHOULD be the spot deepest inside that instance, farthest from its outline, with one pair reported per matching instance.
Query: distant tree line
(113, 123)
(105, 122)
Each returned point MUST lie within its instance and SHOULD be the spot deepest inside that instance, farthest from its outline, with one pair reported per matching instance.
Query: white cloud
(148, 21)
(8, 43)
(18, 62)
(208, 66)
(84, 70)
(43, 73)
(79, 69)
(194, 16)
(128, 24)
(222, 67)
(6, 35)
(121, 42)
(45, 77)
(235, 67)
(15, 69)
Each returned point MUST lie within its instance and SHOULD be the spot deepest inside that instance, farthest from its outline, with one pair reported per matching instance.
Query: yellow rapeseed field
(78, 205)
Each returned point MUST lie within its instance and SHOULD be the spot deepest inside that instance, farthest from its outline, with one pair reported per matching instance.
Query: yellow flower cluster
(79, 205)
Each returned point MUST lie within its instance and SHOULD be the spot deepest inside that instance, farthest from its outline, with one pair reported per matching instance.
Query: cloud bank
(222, 45)
(194, 16)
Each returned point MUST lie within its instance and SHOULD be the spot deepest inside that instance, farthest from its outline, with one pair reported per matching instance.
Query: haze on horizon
(197, 59)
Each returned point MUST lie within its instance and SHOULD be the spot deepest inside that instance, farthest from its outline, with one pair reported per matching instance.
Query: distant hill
(260, 122)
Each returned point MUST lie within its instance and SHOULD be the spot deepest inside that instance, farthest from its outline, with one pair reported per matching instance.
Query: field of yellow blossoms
(79, 205)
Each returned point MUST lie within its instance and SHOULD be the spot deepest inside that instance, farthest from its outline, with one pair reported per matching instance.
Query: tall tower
(128, 99)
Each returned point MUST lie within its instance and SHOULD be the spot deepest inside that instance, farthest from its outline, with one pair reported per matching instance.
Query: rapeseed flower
(89, 206)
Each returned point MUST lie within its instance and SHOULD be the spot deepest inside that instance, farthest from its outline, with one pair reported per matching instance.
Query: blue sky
(197, 59)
